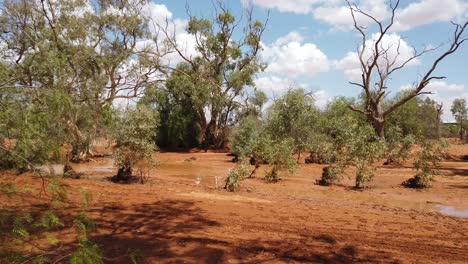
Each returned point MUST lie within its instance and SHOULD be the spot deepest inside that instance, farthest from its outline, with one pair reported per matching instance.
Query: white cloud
(292, 36)
(441, 86)
(437, 87)
(398, 50)
(294, 6)
(158, 15)
(337, 14)
(322, 98)
(447, 104)
(427, 12)
(161, 16)
(273, 84)
(289, 56)
(350, 65)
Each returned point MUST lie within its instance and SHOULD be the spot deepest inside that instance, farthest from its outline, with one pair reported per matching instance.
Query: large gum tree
(216, 77)
(85, 53)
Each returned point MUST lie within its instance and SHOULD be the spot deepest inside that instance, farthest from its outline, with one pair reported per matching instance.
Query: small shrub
(427, 164)
(235, 176)
(134, 134)
(272, 175)
(279, 155)
(329, 176)
(398, 146)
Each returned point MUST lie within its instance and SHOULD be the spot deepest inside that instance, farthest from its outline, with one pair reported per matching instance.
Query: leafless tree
(381, 65)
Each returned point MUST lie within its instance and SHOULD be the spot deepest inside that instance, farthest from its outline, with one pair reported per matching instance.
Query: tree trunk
(375, 115)
(379, 126)
(80, 145)
(439, 121)
(358, 183)
(124, 174)
(461, 131)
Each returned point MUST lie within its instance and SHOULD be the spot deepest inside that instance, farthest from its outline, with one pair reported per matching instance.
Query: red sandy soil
(171, 219)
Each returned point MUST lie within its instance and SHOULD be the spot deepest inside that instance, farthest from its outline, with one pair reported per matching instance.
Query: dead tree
(378, 69)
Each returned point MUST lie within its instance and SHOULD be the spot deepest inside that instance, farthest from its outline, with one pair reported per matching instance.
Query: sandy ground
(171, 219)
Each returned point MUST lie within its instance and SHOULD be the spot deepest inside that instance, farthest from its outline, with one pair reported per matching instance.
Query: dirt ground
(172, 219)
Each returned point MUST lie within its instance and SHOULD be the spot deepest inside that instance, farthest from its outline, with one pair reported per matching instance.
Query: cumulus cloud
(293, 36)
(437, 87)
(160, 16)
(339, 16)
(158, 13)
(322, 98)
(336, 13)
(273, 84)
(427, 12)
(398, 50)
(294, 6)
(289, 56)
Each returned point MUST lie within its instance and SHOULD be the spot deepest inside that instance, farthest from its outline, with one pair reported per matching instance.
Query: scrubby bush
(353, 143)
(279, 155)
(134, 134)
(235, 176)
(244, 136)
(398, 146)
(427, 164)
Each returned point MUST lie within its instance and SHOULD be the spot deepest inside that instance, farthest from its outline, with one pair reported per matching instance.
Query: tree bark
(461, 130)
(124, 174)
(379, 128)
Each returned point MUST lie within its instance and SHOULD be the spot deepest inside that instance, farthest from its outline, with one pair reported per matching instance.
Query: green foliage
(292, 116)
(398, 146)
(459, 109)
(244, 137)
(134, 134)
(353, 143)
(63, 66)
(235, 176)
(460, 112)
(427, 164)
(87, 253)
(330, 175)
(278, 154)
(29, 136)
(217, 78)
(31, 227)
(175, 103)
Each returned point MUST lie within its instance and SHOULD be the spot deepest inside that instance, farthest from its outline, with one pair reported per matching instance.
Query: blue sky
(310, 43)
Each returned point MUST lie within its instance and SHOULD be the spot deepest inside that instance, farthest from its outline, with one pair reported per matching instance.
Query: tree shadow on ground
(160, 231)
(454, 172)
(176, 231)
(309, 249)
(460, 186)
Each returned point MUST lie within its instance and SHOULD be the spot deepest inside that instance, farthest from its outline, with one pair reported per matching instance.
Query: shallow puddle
(54, 169)
(452, 211)
(103, 165)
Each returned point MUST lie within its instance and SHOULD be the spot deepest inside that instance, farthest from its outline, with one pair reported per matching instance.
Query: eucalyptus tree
(84, 53)
(378, 65)
(460, 112)
(351, 143)
(294, 116)
(217, 76)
